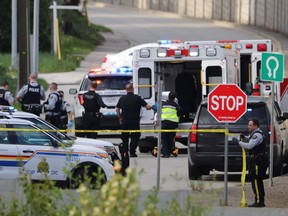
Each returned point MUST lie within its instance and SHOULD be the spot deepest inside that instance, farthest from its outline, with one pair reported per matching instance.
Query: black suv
(206, 148)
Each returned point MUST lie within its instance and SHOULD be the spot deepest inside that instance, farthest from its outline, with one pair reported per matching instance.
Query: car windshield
(107, 82)
(258, 111)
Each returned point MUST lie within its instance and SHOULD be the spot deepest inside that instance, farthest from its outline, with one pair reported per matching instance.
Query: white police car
(9, 112)
(25, 147)
(111, 86)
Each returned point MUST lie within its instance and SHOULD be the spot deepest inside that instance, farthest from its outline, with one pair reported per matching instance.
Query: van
(206, 146)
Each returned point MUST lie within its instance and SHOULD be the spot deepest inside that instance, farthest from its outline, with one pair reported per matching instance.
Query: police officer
(65, 112)
(92, 102)
(52, 106)
(129, 119)
(30, 95)
(256, 143)
(6, 97)
(169, 120)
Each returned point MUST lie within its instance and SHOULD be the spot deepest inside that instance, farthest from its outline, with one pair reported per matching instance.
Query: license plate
(110, 100)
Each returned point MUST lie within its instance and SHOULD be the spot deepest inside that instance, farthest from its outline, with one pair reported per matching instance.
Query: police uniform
(30, 95)
(130, 106)
(258, 164)
(52, 109)
(169, 117)
(92, 102)
(65, 109)
(6, 97)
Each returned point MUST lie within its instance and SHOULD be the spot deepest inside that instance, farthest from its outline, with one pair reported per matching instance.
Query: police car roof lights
(122, 70)
(7, 109)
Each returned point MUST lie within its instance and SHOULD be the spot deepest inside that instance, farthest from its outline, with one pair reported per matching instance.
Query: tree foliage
(45, 23)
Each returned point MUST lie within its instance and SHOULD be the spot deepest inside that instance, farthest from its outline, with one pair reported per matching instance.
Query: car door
(9, 161)
(40, 157)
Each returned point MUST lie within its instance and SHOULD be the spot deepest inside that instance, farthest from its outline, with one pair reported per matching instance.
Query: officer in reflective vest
(30, 95)
(256, 143)
(6, 97)
(169, 120)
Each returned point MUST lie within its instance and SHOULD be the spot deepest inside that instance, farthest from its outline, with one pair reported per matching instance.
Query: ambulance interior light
(211, 52)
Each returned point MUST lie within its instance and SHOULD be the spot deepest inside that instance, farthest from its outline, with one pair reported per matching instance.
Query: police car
(111, 86)
(24, 147)
(9, 112)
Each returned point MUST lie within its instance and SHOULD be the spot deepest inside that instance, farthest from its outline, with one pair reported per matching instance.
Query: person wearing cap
(30, 96)
(169, 119)
(6, 97)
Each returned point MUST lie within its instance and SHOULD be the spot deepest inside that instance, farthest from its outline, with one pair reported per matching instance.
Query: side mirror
(73, 91)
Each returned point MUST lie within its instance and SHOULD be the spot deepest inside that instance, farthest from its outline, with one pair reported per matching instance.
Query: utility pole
(24, 42)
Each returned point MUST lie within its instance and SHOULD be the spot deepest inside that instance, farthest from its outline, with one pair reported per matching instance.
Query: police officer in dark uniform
(256, 143)
(92, 102)
(169, 117)
(129, 119)
(52, 107)
(30, 95)
(6, 97)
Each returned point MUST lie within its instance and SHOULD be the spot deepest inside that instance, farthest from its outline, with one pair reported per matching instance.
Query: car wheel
(194, 172)
(90, 175)
(279, 169)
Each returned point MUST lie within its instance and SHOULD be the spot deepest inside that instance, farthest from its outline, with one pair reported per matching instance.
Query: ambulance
(191, 70)
(250, 67)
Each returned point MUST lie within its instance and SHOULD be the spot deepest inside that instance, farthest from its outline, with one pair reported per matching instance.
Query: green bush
(119, 196)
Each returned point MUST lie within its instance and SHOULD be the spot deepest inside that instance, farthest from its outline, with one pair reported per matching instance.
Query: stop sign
(227, 103)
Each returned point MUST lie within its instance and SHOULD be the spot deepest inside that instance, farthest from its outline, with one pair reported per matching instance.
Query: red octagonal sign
(227, 103)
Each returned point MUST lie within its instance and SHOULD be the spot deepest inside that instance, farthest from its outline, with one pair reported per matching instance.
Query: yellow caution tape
(119, 131)
(243, 177)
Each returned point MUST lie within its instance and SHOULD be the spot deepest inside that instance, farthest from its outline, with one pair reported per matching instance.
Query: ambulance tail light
(161, 52)
(105, 59)
(262, 47)
(80, 98)
(194, 51)
(274, 134)
(249, 46)
(193, 134)
(211, 52)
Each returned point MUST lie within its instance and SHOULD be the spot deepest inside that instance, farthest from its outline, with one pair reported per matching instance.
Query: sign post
(272, 69)
(227, 103)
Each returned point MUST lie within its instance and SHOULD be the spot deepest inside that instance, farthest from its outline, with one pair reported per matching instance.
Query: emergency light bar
(7, 109)
(169, 41)
(119, 70)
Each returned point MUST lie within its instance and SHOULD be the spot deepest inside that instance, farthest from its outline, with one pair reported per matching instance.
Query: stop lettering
(227, 103)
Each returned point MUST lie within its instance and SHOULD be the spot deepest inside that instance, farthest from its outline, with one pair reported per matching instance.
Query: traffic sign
(227, 103)
(272, 67)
